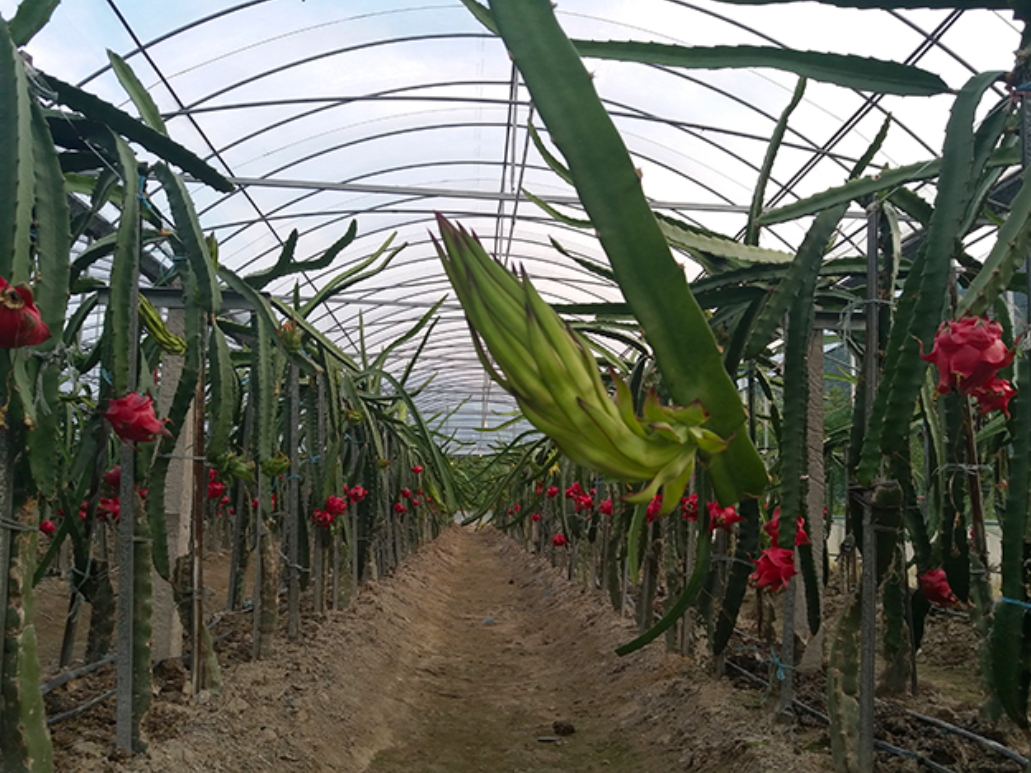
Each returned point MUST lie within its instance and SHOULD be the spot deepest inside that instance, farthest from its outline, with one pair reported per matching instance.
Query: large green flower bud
(550, 371)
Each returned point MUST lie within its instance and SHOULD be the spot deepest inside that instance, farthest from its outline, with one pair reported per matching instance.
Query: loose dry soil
(462, 661)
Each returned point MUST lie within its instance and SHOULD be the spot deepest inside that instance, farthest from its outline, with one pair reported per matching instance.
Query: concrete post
(168, 629)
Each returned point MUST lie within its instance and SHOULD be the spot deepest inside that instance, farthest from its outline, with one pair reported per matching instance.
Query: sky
(396, 100)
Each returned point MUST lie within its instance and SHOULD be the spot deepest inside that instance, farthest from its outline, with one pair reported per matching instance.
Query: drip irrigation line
(51, 721)
(898, 750)
(995, 746)
(75, 673)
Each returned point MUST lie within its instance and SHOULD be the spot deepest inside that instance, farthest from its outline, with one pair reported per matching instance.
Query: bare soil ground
(462, 661)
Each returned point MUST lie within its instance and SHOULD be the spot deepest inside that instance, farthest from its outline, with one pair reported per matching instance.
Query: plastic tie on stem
(1014, 602)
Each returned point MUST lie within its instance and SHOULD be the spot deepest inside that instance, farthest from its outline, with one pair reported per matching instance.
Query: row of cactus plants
(971, 426)
(79, 420)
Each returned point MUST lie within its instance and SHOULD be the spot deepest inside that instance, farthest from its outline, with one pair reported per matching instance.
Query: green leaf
(408, 335)
(105, 246)
(865, 186)
(1010, 251)
(125, 270)
(192, 237)
(702, 244)
(286, 265)
(182, 399)
(919, 310)
(559, 216)
(549, 158)
(30, 18)
(351, 276)
(223, 394)
(135, 131)
(137, 93)
(690, 593)
(802, 275)
(597, 269)
(16, 159)
(867, 157)
(759, 194)
(1009, 645)
(74, 325)
(53, 237)
(854, 72)
(651, 280)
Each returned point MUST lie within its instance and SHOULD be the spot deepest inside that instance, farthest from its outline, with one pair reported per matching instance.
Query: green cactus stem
(1010, 642)
(101, 596)
(843, 688)
(142, 609)
(25, 745)
(268, 580)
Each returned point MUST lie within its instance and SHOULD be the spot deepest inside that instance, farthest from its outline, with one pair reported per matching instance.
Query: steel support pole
(126, 729)
(197, 536)
(868, 597)
(293, 490)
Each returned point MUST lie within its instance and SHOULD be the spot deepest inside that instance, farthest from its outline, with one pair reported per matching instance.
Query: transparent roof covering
(385, 112)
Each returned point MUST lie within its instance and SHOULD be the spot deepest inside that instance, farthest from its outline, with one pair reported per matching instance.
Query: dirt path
(459, 662)
(495, 678)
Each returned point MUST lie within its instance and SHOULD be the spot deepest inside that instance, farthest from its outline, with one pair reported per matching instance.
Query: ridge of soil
(462, 661)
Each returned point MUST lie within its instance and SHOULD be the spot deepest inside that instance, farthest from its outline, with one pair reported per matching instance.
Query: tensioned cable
(869, 104)
(193, 122)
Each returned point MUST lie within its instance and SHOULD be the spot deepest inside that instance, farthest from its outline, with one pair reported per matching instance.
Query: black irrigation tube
(898, 751)
(89, 668)
(941, 724)
(51, 721)
(995, 746)
(75, 673)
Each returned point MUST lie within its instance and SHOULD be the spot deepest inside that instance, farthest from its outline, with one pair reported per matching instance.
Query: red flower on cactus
(417, 469)
(689, 507)
(539, 489)
(399, 508)
(558, 540)
(584, 502)
(552, 492)
(109, 508)
(216, 489)
(517, 508)
(994, 396)
(406, 493)
(113, 477)
(935, 586)
(968, 353)
(416, 501)
(722, 517)
(132, 418)
(335, 505)
(356, 494)
(773, 570)
(535, 517)
(322, 518)
(605, 508)
(20, 321)
(48, 527)
(772, 527)
(574, 491)
(223, 501)
(652, 512)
